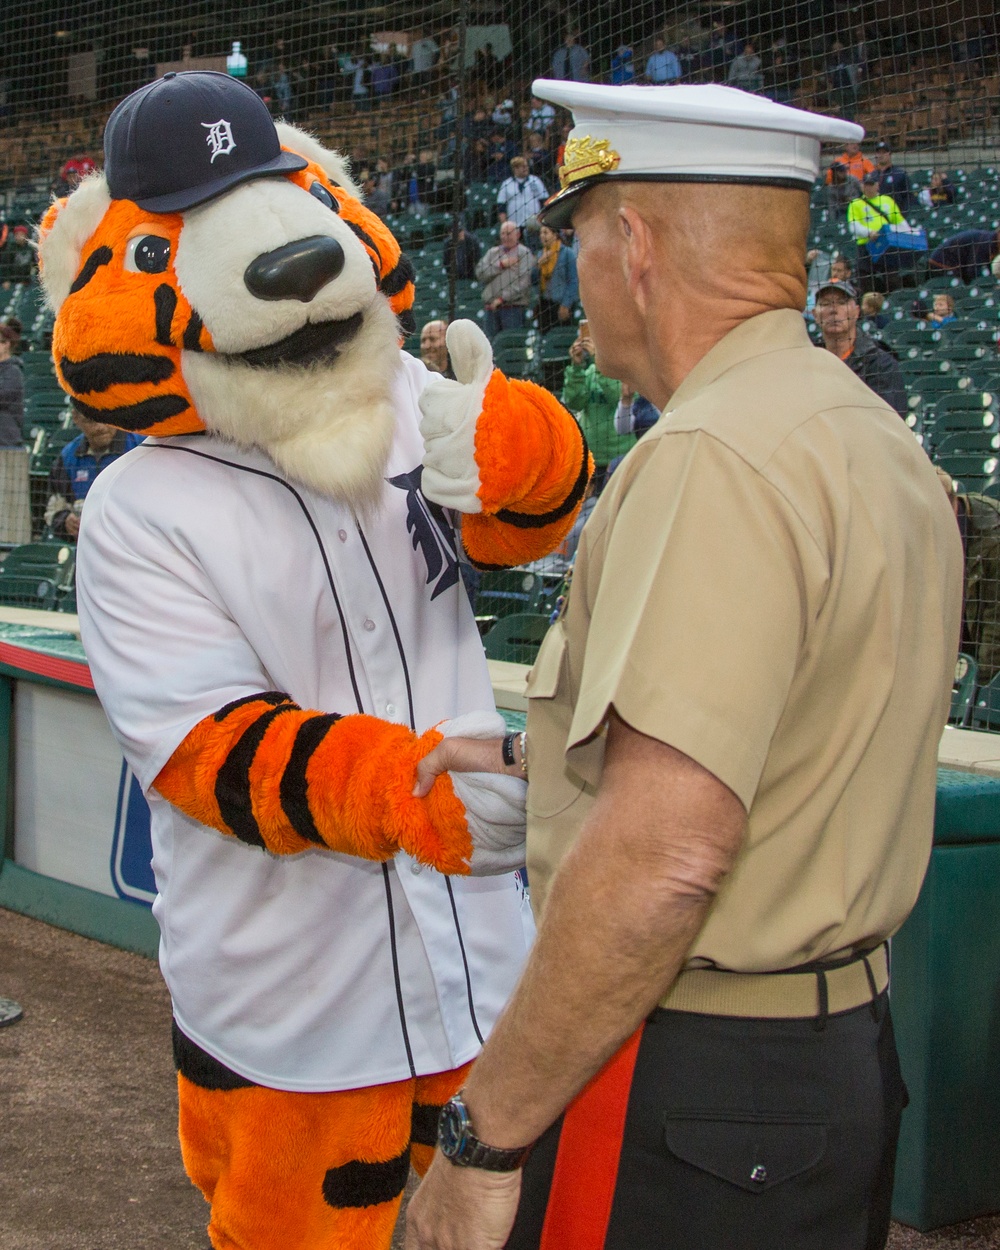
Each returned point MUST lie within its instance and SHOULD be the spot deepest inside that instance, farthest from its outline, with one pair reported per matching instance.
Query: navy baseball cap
(186, 138)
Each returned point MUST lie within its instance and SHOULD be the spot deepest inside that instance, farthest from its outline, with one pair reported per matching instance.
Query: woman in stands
(555, 275)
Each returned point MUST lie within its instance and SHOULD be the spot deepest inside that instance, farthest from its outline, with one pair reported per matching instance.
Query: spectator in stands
(979, 525)
(892, 179)
(462, 250)
(384, 77)
(375, 198)
(76, 468)
(17, 257)
(966, 254)
(72, 174)
(842, 186)
(622, 65)
(505, 272)
(842, 73)
(434, 348)
(571, 61)
(423, 57)
(858, 165)
(942, 311)
(873, 310)
(836, 314)
(542, 116)
(360, 73)
(11, 390)
(662, 65)
(940, 192)
(500, 151)
(780, 78)
(558, 288)
(521, 196)
(541, 162)
(745, 70)
(866, 218)
(840, 270)
(593, 399)
(635, 413)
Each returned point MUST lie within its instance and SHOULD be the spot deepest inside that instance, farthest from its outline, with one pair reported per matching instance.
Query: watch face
(453, 1127)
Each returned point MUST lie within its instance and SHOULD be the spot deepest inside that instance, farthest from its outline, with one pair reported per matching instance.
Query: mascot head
(223, 274)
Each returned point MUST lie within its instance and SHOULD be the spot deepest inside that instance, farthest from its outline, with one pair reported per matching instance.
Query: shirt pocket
(754, 1151)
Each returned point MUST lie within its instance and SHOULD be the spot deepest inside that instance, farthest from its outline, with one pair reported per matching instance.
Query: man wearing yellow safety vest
(865, 218)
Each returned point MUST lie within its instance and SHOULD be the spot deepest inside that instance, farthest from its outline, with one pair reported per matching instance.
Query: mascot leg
(430, 1095)
(296, 1171)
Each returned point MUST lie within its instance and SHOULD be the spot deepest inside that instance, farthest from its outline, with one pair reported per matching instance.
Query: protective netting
(433, 102)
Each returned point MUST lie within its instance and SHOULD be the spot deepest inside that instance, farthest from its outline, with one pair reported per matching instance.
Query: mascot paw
(450, 412)
(432, 829)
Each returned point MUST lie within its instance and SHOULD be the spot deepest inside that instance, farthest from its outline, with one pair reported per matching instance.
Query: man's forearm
(624, 909)
(603, 959)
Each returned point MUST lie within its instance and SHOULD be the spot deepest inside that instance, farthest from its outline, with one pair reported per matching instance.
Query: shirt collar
(768, 332)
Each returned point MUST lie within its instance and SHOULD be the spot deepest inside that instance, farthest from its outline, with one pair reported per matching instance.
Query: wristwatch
(459, 1144)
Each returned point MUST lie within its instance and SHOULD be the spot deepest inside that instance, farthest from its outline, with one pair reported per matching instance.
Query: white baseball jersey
(204, 575)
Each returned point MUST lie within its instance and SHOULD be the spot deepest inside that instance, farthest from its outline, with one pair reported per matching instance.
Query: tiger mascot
(271, 604)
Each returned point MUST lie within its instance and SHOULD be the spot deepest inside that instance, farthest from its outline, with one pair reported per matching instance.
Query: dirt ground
(88, 1148)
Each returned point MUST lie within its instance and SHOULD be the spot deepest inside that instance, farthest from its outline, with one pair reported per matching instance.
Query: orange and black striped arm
(534, 467)
(285, 779)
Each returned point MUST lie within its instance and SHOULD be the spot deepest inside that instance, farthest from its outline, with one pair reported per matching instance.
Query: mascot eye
(324, 196)
(149, 253)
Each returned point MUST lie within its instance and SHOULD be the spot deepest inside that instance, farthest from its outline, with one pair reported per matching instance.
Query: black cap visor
(190, 197)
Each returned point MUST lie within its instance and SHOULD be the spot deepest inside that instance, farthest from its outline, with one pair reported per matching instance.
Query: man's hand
(462, 1208)
(463, 755)
(72, 524)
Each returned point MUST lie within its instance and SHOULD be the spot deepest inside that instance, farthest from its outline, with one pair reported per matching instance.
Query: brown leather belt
(781, 995)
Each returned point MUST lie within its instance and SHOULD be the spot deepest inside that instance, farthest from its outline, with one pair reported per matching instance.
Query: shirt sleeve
(697, 623)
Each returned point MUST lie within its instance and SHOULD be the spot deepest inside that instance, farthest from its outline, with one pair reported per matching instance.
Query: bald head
(668, 269)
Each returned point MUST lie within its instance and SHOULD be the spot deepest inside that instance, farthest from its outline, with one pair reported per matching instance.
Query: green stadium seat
(963, 690)
(971, 472)
(36, 575)
(516, 638)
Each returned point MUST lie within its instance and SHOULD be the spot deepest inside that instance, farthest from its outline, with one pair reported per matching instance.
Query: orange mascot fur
(272, 609)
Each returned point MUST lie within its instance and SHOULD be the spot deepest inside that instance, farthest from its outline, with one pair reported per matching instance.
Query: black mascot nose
(296, 271)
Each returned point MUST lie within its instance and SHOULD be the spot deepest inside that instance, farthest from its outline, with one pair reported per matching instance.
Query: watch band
(461, 1146)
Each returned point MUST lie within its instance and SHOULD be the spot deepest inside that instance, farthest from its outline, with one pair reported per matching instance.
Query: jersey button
(390, 709)
(342, 535)
(369, 624)
(416, 868)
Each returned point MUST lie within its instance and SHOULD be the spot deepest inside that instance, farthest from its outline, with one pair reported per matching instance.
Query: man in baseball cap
(731, 739)
(836, 312)
(220, 134)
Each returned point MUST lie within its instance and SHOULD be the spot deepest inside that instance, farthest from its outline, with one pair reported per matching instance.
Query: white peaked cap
(684, 134)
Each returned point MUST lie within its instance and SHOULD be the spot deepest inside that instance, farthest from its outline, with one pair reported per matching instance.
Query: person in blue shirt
(622, 65)
(76, 469)
(555, 275)
(893, 179)
(662, 65)
(966, 254)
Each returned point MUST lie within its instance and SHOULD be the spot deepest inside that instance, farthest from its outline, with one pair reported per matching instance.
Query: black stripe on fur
(424, 1124)
(165, 303)
(98, 257)
(139, 416)
(200, 1068)
(532, 521)
(271, 697)
(232, 785)
(192, 334)
(396, 279)
(293, 790)
(358, 1184)
(97, 373)
(407, 321)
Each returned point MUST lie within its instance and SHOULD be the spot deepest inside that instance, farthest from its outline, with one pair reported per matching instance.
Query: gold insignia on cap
(586, 157)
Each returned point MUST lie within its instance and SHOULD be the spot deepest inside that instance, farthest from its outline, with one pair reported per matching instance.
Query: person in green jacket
(866, 218)
(593, 399)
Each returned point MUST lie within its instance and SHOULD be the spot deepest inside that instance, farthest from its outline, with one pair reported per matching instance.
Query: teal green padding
(515, 721)
(968, 807)
(946, 1009)
(61, 646)
(117, 921)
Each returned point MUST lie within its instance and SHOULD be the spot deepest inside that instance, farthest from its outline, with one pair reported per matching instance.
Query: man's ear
(637, 253)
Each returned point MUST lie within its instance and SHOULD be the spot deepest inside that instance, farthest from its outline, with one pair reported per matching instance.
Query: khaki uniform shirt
(771, 583)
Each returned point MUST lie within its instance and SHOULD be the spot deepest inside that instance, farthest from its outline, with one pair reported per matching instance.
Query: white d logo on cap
(219, 138)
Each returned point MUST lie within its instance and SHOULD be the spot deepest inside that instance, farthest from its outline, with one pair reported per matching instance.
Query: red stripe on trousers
(590, 1145)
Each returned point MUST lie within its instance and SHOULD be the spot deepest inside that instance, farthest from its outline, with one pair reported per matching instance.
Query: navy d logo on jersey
(219, 138)
(431, 532)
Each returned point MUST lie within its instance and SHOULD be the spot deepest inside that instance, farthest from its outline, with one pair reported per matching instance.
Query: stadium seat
(986, 706)
(971, 472)
(506, 591)
(963, 690)
(516, 638)
(36, 575)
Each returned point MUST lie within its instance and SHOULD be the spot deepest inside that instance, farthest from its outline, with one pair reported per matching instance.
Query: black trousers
(749, 1135)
